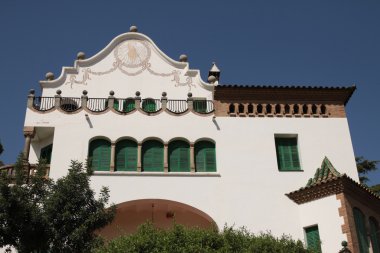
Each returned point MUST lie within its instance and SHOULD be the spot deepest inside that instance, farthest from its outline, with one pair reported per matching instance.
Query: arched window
(259, 108)
(99, 155)
(205, 160)
(287, 109)
(152, 156)
(314, 109)
(296, 109)
(149, 105)
(269, 108)
(179, 156)
(323, 109)
(305, 110)
(278, 109)
(126, 155)
(361, 230)
(374, 234)
(250, 108)
(241, 108)
(231, 108)
(46, 153)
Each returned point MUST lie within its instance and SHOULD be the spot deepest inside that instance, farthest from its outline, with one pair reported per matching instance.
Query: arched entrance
(162, 213)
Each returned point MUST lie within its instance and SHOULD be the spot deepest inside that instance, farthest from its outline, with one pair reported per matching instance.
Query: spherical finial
(112, 93)
(189, 94)
(81, 56)
(137, 93)
(183, 58)
(31, 92)
(58, 92)
(49, 76)
(344, 243)
(211, 79)
(164, 94)
(133, 29)
(84, 92)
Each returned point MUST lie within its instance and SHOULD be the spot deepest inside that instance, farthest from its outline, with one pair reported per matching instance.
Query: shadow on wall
(162, 213)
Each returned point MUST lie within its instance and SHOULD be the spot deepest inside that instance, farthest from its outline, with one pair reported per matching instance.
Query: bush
(182, 239)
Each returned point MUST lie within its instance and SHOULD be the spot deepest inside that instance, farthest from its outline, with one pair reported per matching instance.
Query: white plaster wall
(250, 190)
(324, 213)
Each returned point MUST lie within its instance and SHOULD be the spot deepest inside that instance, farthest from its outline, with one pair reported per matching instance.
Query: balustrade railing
(203, 106)
(70, 104)
(97, 104)
(177, 106)
(30, 170)
(44, 103)
(122, 105)
(151, 105)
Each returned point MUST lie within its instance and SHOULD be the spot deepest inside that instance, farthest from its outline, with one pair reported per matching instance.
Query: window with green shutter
(179, 156)
(46, 153)
(129, 105)
(126, 155)
(205, 160)
(200, 105)
(149, 105)
(100, 155)
(287, 153)
(116, 104)
(152, 156)
(361, 232)
(374, 235)
(312, 239)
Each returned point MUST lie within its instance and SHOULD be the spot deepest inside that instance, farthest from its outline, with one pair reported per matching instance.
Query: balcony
(148, 106)
(30, 169)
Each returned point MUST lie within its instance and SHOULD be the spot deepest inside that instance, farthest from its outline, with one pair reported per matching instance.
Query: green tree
(40, 215)
(364, 166)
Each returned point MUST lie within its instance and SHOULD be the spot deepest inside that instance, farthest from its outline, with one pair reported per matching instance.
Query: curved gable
(131, 62)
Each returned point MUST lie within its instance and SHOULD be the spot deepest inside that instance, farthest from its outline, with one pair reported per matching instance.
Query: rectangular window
(287, 153)
(313, 240)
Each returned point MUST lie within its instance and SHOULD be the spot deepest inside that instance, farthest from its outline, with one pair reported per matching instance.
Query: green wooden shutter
(287, 154)
(375, 235)
(205, 160)
(46, 153)
(100, 155)
(126, 156)
(153, 156)
(179, 156)
(312, 239)
(361, 230)
(149, 105)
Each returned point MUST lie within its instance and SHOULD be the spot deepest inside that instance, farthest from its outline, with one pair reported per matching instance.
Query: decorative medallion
(132, 58)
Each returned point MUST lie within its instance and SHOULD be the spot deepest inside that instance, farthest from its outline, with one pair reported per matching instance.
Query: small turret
(214, 71)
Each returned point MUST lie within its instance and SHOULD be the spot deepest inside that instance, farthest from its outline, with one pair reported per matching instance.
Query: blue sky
(272, 42)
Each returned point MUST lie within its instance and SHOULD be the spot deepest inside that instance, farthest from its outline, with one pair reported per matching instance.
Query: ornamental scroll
(131, 58)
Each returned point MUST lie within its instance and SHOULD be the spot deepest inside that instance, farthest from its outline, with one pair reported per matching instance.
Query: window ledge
(156, 174)
(291, 170)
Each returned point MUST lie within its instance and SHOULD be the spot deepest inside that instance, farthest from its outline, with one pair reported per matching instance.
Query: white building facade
(170, 146)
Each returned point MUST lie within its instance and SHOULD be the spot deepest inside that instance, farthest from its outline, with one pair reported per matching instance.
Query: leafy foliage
(376, 189)
(39, 215)
(364, 166)
(181, 239)
(1, 151)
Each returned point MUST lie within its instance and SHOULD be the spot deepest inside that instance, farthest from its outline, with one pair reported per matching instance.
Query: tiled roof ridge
(326, 171)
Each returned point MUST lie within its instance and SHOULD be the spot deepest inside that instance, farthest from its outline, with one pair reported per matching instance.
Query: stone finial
(137, 93)
(183, 58)
(58, 92)
(81, 56)
(344, 249)
(31, 92)
(211, 79)
(189, 94)
(164, 94)
(49, 76)
(84, 92)
(214, 71)
(133, 29)
(112, 93)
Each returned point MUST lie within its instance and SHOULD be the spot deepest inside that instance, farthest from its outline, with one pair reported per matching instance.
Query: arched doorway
(162, 213)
